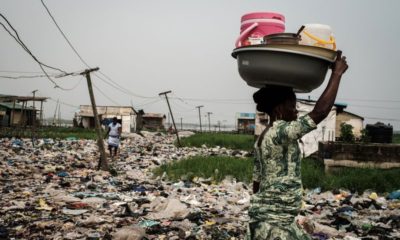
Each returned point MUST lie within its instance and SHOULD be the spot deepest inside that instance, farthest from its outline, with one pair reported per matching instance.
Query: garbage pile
(53, 190)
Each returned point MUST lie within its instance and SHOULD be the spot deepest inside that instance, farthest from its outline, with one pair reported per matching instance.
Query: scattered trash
(394, 195)
(57, 192)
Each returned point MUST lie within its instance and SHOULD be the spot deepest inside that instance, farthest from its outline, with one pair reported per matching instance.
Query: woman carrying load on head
(277, 182)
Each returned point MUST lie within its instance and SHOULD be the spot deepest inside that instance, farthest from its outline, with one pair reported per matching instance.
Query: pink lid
(260, 15)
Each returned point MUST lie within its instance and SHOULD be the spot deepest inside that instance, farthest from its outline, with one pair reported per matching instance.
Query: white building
(327, 130)
(126, 115)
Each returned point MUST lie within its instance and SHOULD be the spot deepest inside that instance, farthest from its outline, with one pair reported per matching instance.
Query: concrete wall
(360, 155)
(86, 122)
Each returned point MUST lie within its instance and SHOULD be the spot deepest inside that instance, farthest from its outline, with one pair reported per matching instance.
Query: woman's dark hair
(267, 98)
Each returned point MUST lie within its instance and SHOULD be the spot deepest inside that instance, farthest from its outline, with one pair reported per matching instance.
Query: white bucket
(318, 35)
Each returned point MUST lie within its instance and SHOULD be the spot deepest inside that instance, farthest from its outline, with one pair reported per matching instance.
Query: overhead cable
(23, 45)
(116, 86)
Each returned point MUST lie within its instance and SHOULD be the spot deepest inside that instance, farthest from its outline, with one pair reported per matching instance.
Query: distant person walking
(277, 182)
(114, 134)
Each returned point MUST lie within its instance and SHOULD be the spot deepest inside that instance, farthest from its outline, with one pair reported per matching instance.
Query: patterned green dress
(277, 167)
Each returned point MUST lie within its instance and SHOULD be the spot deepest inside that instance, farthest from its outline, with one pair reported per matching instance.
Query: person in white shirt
(114, 133)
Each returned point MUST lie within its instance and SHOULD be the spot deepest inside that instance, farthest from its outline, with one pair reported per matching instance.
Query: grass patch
(199, 166)
(313, 174)
(396, 138)
(49, 132)
(232, 141)
(355, 179)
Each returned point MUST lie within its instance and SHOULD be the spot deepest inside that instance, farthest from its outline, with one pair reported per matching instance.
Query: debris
(53, 190)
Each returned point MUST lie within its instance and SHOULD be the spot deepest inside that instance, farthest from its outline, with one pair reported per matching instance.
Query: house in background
(350, 118)
(327, 130)
(245, 122)
(126, 115)
(14, 115)
(14, 110)
(153, 121)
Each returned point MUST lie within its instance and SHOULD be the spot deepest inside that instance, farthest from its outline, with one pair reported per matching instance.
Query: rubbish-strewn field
(53, 191)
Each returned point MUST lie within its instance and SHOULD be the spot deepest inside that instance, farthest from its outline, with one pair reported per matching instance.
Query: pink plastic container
(254, 26)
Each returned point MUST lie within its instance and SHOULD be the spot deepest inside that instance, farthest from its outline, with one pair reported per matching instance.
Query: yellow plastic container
(318, 35)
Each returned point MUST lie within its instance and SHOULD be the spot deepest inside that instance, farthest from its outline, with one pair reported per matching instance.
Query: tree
(346, 132)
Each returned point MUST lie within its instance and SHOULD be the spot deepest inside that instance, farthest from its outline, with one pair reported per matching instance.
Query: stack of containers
(266, 55)
(254, 26)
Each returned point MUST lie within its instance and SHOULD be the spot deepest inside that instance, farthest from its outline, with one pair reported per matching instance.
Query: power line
(116, 86)
(62, 33)
(22, 77)
(102, 93)
(387, 119)
(64, 103)
(148, 103)
(21, 72)
(374, 107)
(22, 44)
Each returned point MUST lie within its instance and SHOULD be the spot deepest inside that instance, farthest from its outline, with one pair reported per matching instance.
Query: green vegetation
(356, 179)
(313, 174)
(346, 133)
(232, 141)
(49, 132)
(216, 167)
(396, 138)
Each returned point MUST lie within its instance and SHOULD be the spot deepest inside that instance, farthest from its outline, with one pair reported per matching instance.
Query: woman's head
(278, 102)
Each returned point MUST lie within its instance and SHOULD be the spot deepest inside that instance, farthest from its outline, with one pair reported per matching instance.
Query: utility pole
(181, 124)
(34, 93)
(33, 118)
(103, 164)
(219, 126)
(55, 114)
(200, 116)
(209, 124)
(33, 99)
(172, 116)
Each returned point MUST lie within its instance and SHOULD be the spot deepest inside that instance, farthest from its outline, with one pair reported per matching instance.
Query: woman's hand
(340, 65)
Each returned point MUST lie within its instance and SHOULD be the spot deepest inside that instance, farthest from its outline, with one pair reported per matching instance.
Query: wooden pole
(41, 113)
(103, 164)
(209, 123)
(172, 116)
(55, 114)
(200, 116)
(12, 114)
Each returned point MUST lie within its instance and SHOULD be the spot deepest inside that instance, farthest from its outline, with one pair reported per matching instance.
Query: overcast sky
(152, 46)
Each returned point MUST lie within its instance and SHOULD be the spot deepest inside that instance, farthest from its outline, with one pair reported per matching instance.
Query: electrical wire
(19, 41)
(17, 38)
(116, 85)
(22, 77)
(21, 72)
(76, 85)
(102, 93)
(62, 33)
(148, 103)
(386, 119)
(64, 103)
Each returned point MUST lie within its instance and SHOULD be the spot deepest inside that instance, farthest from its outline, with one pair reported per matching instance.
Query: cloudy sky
(146, 47)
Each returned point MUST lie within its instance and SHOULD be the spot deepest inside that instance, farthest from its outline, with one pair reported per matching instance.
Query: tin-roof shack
(126, 115)
(153, 121)
(14, 110)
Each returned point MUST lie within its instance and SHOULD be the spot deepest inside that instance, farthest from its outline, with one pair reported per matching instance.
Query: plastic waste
(394, 195)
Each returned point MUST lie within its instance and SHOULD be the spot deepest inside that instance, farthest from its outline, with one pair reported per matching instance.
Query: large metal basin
(301, 67)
